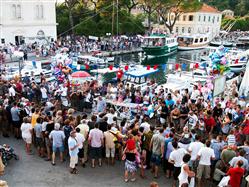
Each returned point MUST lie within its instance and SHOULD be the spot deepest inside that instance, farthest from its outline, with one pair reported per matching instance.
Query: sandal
(126, 180)
(53, 163)
(133, 179)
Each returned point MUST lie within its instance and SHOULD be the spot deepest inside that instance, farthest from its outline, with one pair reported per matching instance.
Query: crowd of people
(188, 137)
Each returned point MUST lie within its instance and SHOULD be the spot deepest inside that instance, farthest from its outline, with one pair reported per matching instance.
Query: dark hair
(152, 128)
(208, 143)
(141, 129)
(96, 125)
(84, 116)
(175, 144)
(77, 129)
(109, 127)
(242, 152)
(161, 130)
(240, 163)
(39, 120)
(186, 158)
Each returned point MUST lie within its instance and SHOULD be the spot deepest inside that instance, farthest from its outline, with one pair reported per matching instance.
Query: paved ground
(32, 171)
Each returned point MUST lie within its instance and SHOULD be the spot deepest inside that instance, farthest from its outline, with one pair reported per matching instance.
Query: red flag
(177, 66)
(148, 67)
(87, 66)
(119, 74)
(111, 67)
(236, 61)
(196, 65)
(155, 67)
(126, 68)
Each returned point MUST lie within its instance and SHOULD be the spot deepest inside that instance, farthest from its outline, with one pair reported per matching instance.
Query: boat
(91, 61)
(105, 58)
(242, 41)
(139, 77)
(223, 43)
(237, 68)
(31, 69)
(159, 45)
(192, 42)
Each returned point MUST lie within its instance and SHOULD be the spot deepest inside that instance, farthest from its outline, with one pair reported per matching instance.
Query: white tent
(244, 87)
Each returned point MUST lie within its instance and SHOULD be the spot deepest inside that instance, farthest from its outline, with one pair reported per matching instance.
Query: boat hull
(188, 48)
(159, 50)
(237, 68)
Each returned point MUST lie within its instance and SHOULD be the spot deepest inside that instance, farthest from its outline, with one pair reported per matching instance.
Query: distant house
(25, 21)
(228, 13)
(205, 20)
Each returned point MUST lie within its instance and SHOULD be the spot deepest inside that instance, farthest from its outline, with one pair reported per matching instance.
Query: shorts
(61, 149)
(28, 140)
(39, 142)
(109, 151)
(156, 159)
(168, 166)
(81, 153)
(16, 124)
(203, 170)
(176, 172)
(73, 161)
(96, 152)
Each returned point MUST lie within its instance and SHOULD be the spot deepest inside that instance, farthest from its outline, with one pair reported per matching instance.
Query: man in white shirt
(193, 150)
(84, 130)
(205, 155)
(175, 158)
(110, 116)
(195, 94)
(80, 140)
(44, 93)
(12, 92)
(192, 119)
(146, 125)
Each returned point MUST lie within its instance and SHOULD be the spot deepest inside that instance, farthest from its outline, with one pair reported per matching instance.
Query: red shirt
(210, 122)
(236, 175)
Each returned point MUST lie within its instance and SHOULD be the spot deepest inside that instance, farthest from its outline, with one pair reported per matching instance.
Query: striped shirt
(231, 140)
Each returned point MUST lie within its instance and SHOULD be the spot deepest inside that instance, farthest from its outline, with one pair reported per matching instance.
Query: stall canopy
(80, 74)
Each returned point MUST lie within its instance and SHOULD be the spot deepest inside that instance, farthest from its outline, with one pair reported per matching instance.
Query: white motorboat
(237, 68)
(91, 60)
(192, 42)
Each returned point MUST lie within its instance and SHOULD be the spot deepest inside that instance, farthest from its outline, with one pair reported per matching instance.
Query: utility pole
(113, 17)
(117, 18)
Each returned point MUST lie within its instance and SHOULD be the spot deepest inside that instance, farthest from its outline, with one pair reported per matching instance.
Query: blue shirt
(15, 114)
(71, 144)
(217, 147)
(169, 103)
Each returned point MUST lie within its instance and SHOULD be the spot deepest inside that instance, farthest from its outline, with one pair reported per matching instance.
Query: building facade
(25, 21)
(228, 13)
(206, 20)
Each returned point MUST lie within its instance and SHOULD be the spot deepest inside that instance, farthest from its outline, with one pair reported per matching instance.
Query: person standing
(185, 172)
(109, 145)
(16, 121)
(96, 141)
(84, 130)
(80, 140)
(27, 130)
(236, 174)
(205, 155)
(57, 136)
(157, 147)
(176, 158)
(73, 147)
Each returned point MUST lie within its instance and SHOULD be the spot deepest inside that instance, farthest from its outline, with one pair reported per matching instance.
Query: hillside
(240, 7)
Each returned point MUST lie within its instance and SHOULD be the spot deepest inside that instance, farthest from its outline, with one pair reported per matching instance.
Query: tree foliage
(170, 10)
(240, 7)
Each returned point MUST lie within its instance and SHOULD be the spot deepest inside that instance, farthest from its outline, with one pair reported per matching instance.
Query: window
(196, 40)
(204, 18)
(201, 40)
(178, 18)
(205, 39)
(177, 29)
(39, 11)
(189, 30)
(182, 29)
(199, 18)
(209, 18)
(213, 19)
(184, 18)
(191, 18)
(18, 12)
(13, 11)
(218, 18)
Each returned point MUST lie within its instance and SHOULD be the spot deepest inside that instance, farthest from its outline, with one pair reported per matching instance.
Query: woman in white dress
(185, 172)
